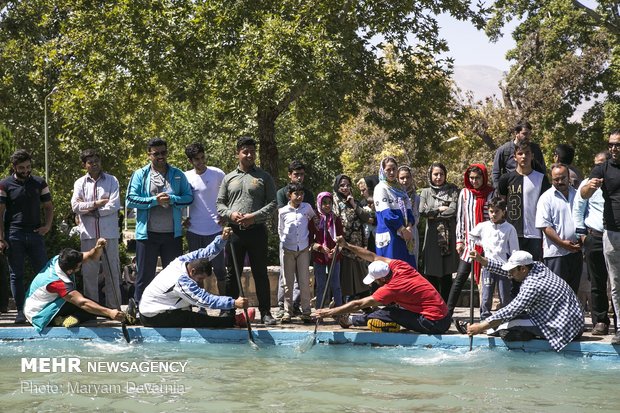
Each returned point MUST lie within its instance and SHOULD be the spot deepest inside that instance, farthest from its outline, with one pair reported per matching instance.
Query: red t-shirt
(409, 289)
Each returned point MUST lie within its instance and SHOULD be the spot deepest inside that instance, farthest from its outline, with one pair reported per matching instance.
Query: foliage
(289, 72)
(566, 55)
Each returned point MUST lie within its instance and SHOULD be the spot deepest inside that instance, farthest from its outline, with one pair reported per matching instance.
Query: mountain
(481, 80)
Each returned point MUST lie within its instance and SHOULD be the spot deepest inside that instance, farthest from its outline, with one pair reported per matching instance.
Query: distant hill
(482, 80)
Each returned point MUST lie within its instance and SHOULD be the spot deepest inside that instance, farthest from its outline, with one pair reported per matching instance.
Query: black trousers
(443, 284)
(186, 318)
(69, 309)
(253, 242)
(409, 320)
(595, 262)
(567, 267)
(462, 273)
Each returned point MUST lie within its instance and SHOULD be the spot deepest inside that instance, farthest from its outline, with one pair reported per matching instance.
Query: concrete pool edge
(293, 337)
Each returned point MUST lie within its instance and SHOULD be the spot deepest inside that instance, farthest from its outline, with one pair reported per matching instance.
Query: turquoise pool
(334, 378)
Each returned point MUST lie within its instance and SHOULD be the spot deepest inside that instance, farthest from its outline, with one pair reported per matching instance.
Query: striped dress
(465, 219)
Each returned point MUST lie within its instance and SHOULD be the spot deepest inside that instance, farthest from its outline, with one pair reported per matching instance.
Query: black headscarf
(337, 186)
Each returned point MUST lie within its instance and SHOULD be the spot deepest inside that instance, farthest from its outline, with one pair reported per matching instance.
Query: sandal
(461, 326)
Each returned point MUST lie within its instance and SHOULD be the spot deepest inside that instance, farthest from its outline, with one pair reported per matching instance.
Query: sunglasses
(613, 145)
(159, 153)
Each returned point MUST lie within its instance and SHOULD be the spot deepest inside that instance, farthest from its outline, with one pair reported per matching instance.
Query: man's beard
(22, 176)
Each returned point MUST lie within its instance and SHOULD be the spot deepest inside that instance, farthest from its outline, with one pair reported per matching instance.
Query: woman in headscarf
(395, 220)
(405, 177)
(472, 209)
(438, 205)
(353, 217)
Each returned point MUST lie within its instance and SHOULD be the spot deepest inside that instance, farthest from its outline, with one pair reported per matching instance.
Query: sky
(469, 46)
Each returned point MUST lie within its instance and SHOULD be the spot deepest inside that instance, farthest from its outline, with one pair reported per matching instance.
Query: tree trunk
(268, 150)
(487, 139)
(266, 119)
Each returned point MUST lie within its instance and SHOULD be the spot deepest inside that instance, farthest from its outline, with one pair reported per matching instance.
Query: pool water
(334, 378)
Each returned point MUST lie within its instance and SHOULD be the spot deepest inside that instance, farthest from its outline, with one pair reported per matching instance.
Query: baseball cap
(376, 270)
(518, 258)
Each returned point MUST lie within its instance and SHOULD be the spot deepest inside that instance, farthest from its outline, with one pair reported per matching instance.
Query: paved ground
(6, 320)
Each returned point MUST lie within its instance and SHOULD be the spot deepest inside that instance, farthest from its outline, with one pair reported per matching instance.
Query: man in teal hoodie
(158, 192)
(52, 297)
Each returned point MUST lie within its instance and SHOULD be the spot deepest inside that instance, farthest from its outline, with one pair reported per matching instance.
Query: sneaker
(306, 319)
(131, 312)
(67, 322)
(70, 321)
(379, 326)
(600, 329)
(616, 339)
(280, 313)
(268, 320)
(240, 320)
(20, 318)
(286, 318)
(344, 320)
(461, 326)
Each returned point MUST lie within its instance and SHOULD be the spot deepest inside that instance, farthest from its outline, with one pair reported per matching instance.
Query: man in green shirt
(247, 200)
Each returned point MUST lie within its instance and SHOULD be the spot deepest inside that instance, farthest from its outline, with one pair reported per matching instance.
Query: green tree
(290, 72)
(566, 54)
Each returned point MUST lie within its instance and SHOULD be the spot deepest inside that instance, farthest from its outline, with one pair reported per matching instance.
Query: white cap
(376, 270)
(518, 258)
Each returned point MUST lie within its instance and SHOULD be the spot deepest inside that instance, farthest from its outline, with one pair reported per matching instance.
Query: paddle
(310, 341)
(118, 302)
(245, 310)
(471, 300)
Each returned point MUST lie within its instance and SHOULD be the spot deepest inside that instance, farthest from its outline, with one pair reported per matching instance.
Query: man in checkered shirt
(551, 307)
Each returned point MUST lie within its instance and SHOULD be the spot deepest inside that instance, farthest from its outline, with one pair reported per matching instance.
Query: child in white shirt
(294, 232)
(499, 240)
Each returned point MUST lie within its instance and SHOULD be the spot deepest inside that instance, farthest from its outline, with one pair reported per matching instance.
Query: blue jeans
(4, 282)
(158, 244)
(21, 245)
(488, 282)
(320, 278)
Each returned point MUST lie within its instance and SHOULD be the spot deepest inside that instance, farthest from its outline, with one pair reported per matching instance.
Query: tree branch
(288, 99)
(600, 19)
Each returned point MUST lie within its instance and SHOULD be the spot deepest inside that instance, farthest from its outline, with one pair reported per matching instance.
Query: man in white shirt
(561, 249)
(167, 301)
(96, 201)
(203, 222)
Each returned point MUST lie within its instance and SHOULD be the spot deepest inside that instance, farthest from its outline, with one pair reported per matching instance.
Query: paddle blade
(125, 333)
(307, 343)
(254, 345)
